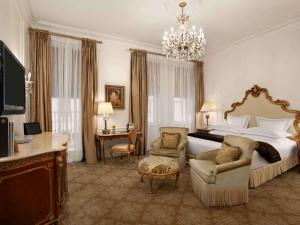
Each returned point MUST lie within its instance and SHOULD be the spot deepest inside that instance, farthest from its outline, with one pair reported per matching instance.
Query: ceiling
(223, 21)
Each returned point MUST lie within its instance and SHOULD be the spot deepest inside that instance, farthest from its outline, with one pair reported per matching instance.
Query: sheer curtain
(66, 94)
(171, 95)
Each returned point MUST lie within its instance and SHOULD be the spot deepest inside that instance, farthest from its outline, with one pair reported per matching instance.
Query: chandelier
(183, 44)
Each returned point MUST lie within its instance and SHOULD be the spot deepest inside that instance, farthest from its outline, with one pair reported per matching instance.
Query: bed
(258, 103)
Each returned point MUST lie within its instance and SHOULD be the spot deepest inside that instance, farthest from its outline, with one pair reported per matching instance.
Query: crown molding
(288, 25)
(90, 34)
(25, 10)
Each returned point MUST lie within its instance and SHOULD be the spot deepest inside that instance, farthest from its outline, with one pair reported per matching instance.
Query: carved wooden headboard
(258, 102)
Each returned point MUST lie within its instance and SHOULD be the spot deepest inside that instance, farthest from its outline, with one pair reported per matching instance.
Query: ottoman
(158, 167)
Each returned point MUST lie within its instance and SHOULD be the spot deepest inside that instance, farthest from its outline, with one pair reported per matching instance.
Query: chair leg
(142, 178)
(111, 155)
(151, 184)
(129, 157)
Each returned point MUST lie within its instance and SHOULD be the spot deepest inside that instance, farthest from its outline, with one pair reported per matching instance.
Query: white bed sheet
(284, 146)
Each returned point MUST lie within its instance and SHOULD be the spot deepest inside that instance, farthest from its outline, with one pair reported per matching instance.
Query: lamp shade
(209, 107)
(105, 108)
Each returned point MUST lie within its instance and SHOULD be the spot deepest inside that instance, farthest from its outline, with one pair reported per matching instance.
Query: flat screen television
(12, 83)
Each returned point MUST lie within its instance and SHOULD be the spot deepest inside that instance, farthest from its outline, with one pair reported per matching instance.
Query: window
(179, 110)
(150, 110)
(66, 93)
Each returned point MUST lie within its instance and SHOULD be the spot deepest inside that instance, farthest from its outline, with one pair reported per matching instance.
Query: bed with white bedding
(260, 118)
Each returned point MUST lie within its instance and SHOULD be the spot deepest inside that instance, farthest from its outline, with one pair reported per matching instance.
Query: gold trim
(18, 163)
(255, 91)
(157, 175)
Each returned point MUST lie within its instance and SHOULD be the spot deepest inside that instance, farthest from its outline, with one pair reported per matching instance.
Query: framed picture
(116, 95)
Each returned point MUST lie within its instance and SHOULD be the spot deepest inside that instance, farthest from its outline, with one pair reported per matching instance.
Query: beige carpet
(113, 194)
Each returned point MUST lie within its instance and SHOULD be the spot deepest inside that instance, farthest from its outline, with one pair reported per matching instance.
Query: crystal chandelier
(183, 44)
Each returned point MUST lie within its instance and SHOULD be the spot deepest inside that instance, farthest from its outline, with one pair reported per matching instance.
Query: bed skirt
(212, 195)
(262, 175)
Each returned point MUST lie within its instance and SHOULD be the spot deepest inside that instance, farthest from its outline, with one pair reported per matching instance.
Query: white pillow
(261, 132)
(226, 128)
(238, 121)
(274, 125)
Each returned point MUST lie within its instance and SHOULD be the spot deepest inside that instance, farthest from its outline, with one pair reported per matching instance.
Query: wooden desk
(33, 182)
(101, 138)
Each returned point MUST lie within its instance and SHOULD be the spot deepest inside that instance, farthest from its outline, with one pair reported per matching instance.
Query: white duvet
(284, 146)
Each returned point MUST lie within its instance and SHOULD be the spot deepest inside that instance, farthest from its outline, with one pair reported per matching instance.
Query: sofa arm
(232, 165)
(209, 155)
(182, 145)
(156, 144)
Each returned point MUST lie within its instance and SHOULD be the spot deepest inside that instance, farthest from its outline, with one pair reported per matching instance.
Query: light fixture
(28, 83)
(184, 44)
(206, 108)
(105, 108)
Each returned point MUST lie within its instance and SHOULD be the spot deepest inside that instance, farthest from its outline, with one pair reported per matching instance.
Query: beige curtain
(40, 68)
(199, 92)
(89, 94)
(138, 112)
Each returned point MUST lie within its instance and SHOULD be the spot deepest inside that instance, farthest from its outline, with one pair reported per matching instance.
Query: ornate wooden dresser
(33, 182)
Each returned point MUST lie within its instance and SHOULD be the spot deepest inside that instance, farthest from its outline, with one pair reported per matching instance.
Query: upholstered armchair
(225, 184)
(178, 152)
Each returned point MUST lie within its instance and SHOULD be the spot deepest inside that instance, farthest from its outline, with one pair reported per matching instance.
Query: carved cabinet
(33, 186)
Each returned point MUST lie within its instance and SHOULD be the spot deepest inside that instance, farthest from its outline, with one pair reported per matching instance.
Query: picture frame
(116, 95)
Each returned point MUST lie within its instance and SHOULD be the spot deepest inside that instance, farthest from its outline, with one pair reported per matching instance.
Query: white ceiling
(223, 21)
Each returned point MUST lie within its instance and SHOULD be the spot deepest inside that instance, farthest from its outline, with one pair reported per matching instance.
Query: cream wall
(113, 64)
(14, 20)
(271, 60)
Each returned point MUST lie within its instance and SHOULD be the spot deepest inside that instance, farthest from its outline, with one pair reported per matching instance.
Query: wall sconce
(28, 84)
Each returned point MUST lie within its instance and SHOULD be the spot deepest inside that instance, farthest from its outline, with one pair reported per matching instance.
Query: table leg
(151, 184)
(142, 178)
(102, 148)
(176, 180)
(99, 150)
(139, 146)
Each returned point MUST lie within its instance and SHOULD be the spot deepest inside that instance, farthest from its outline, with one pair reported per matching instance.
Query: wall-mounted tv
(12, 83)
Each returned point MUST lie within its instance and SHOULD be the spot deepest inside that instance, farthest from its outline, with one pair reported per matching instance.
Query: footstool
(158, 167)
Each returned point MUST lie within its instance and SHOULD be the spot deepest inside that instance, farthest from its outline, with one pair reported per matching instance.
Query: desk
(101, 138)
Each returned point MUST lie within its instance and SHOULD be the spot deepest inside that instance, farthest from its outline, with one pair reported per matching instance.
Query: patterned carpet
(113, 194)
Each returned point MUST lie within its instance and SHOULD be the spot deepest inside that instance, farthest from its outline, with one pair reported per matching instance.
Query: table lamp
(105, 108)
(206, 108)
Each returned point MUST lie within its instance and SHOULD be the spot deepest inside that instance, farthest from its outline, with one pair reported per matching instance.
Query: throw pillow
(170, 140)
(227, 154)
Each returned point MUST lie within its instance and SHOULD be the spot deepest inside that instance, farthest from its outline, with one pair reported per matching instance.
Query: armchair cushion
(181, 130)
(123, 147)
(227, 154)
(182, 145)
(246, 145)
(206, 169)
(170, 140)
(210, 155)
(156, 144)
(168, 152)
(157, 149)
(232, 165)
